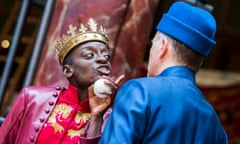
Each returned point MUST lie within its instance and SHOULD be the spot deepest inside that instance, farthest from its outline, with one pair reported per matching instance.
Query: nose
(101, 59)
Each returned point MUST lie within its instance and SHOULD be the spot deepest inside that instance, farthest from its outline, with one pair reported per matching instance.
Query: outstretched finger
(120, 80)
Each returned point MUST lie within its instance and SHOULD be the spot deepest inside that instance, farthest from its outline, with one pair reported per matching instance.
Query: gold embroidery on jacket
(72, 133)
(80, 120)
(82, 116)
(60, 112)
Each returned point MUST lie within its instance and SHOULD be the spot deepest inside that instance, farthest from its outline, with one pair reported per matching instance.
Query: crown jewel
(76, 36)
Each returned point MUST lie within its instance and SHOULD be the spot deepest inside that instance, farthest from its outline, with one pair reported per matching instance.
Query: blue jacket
(167, 109)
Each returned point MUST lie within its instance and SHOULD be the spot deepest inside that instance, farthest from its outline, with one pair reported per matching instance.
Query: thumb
(90, 91)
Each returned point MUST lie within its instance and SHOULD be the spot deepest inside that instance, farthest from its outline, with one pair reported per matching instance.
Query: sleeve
(95, 140)
(89, 140)
(10, 126)
(128, 118)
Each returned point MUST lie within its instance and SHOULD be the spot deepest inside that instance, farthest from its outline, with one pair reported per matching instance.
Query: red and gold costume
(67, 121)
(47, 115)
(53, 115)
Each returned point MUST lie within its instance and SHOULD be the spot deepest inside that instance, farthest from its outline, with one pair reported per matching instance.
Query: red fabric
(67, 121)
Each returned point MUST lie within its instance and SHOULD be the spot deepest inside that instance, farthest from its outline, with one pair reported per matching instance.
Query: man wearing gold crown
(47, 115)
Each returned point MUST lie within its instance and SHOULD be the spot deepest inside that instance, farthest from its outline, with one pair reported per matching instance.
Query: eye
(108, 57)
(88, 55)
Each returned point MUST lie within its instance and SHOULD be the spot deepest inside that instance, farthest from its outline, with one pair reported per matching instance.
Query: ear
(164, 47)
(67, 71)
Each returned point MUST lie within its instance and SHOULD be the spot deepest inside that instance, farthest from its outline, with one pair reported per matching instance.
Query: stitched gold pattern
(82, 116)
(72, 133)
(80, 119)
(62, 112)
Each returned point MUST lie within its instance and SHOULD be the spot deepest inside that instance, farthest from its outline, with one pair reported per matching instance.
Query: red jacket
(29, 112)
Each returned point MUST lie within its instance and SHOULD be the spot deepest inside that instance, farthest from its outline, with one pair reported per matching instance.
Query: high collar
(71, 95)
(179, 71)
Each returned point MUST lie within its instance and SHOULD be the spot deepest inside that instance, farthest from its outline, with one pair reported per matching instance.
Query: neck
(82, 94)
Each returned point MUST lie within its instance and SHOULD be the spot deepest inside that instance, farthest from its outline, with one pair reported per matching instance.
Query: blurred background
(29, 28)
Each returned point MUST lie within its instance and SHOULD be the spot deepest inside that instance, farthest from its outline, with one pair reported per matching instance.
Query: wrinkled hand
(99, 105)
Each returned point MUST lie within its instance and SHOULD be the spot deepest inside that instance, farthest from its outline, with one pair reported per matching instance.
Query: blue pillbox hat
(193, 26)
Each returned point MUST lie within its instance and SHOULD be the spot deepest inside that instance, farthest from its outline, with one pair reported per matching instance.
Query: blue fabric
(167, 109)
(190, 25)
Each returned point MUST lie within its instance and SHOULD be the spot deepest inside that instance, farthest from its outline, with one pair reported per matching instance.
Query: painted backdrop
(128, 24)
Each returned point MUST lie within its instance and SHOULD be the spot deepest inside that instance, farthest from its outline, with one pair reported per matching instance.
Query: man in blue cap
(167, 107)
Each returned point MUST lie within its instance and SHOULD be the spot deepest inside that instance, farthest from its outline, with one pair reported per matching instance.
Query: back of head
(190, 25)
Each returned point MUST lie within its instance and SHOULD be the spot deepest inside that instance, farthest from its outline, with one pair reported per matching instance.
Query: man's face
(90, 61)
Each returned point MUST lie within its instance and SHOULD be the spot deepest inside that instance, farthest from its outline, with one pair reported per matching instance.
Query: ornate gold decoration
(80, 116)
(80, 120)
(61, 111)
(72, 133)
(76, 36)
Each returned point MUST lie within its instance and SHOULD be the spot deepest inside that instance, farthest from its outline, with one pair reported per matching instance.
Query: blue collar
(179, 71)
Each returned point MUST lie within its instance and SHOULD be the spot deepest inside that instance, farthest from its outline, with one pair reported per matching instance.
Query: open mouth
(104, 70)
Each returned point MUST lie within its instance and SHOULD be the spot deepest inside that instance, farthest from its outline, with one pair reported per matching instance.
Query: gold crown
(77, 36)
